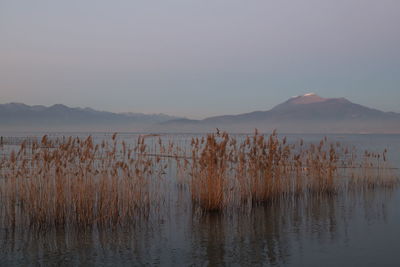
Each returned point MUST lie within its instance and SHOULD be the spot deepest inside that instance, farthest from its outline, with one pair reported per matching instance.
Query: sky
(198, 58)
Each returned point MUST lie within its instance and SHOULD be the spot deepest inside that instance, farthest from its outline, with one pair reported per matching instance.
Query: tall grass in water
(77, 182)
(226, 172)
(209, 172)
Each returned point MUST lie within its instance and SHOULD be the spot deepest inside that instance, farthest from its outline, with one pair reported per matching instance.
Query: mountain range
(21, 117)
(308, 113)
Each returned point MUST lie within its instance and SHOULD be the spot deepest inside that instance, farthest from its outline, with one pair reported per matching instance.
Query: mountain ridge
(17, 116)
(308, 113)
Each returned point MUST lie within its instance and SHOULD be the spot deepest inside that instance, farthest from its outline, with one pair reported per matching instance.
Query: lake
(339, 230)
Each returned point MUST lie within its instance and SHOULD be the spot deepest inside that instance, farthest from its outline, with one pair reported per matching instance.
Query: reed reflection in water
(271, 234)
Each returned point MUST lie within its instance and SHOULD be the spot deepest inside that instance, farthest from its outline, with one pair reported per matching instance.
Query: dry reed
(77, 182)
(226, 172)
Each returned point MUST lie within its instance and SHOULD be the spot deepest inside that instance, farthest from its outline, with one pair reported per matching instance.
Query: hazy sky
(198, 58)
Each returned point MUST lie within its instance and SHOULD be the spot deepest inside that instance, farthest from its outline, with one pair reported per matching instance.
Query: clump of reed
(227, 172)
(78, 183)
(73, 182)
(209, 172)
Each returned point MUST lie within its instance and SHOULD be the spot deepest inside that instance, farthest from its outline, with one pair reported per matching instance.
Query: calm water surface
(347, 230)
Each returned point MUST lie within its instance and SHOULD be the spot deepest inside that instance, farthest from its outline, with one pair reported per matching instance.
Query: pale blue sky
(198, 58)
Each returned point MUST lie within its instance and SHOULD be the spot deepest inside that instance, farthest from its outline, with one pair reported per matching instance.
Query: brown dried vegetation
(77, 182)
(227, 173)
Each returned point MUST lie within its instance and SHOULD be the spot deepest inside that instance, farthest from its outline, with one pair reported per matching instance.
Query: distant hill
(308, 113)
(21, 117)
